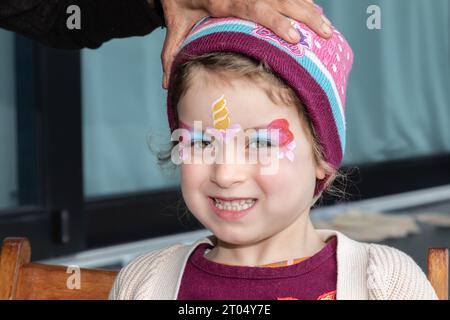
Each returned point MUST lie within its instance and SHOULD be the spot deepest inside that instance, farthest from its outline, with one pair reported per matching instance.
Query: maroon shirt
(311, 279)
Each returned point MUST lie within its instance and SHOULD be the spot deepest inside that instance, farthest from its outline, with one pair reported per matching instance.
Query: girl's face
(281, 198)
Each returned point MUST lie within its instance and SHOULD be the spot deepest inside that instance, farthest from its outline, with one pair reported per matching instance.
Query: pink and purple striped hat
(316, 69)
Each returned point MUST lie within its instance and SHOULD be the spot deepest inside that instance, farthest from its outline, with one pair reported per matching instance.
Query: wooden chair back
(20, 279)
(438, 271)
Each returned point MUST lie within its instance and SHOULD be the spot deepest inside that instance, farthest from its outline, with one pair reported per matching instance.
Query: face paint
(194, 135)
(262, 136)
(189, 136)
(220, 114)
(185, 126)
(287, 152)
(222, 121)
(285, 135)
(185, 136)
(286, 141)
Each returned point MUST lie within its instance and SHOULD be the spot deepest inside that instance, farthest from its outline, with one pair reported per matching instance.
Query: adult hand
(182, 15)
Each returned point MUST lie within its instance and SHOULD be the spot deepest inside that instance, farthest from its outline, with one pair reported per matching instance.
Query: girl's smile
(232, 209)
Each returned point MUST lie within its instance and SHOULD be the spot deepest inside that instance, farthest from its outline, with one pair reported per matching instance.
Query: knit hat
(316, 69)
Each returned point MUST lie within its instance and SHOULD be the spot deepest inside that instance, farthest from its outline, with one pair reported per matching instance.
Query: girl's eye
(201, 144)
(200, 140)
(259, 143)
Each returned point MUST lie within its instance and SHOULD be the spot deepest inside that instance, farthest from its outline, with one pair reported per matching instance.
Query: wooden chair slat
(45, 282)
(15, 253)
(438, 271)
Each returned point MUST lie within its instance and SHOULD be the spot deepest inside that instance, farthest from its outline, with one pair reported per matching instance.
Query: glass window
(398, 94)
(124, 113)
(8, 132)
(397, 102)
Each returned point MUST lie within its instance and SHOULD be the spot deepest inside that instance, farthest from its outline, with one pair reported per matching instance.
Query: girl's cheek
(289, 174)
(192, 176)
(187, 173)
(190, 186)
(272, 184)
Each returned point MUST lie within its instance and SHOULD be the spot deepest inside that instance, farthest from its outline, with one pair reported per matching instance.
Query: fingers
(273, 15)
(265, 15)
(167, 57)
(177, 25)
(306, 12)
(176, 32)
(180, 18)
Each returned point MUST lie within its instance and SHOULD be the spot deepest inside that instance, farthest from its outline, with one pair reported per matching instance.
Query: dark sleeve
(101, 20)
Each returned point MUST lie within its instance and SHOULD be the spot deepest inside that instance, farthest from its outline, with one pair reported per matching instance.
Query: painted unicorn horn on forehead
(221, 116)
(221, 121)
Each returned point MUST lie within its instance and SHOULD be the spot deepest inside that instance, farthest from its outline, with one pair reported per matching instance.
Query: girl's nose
(227, 175)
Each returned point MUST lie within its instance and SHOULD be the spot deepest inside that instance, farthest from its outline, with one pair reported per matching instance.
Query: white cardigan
(364, 271)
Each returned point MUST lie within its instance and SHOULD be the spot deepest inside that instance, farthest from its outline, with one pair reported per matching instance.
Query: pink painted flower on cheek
(287, 152)
(286, 141)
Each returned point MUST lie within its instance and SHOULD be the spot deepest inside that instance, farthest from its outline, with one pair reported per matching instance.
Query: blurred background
(78, 179)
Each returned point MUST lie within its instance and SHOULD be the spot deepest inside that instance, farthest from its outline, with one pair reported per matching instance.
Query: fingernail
(293, 34)
(326, 29)
(326, 20)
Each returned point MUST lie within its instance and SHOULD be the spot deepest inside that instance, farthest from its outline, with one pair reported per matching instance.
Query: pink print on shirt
(326, 296)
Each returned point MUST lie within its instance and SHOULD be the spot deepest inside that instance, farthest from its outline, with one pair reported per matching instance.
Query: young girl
(234, 80)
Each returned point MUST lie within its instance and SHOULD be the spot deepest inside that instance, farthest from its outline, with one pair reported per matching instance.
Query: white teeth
(235, 205)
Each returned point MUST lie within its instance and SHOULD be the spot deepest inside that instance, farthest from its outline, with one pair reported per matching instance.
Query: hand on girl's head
(272, 14)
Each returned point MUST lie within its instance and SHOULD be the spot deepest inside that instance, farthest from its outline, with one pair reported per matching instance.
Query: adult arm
(100, 20)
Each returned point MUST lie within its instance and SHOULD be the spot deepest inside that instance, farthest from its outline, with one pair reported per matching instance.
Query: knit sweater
(364, 271)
